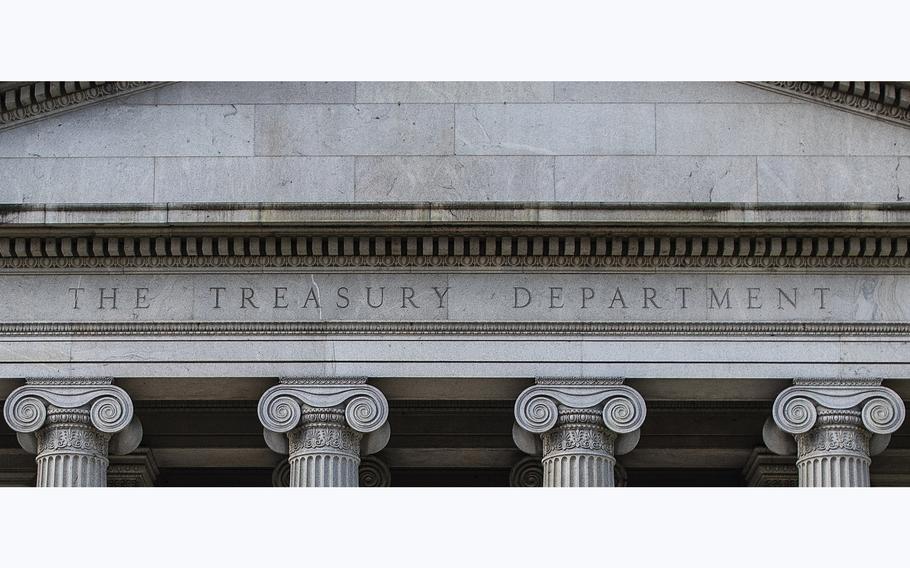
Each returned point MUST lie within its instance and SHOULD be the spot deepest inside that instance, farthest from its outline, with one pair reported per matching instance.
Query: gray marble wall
(455, 142)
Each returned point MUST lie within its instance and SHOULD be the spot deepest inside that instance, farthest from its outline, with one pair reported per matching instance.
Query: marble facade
(525, 284)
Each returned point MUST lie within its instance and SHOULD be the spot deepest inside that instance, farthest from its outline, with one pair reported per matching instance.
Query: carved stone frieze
(325, 425)
(836, 427)
(582, 425)
(72, 425)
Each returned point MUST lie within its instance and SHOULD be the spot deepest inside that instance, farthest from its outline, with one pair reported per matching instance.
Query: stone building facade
(526, 284)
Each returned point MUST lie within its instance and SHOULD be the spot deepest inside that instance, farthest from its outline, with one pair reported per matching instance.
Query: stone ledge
(457, 214)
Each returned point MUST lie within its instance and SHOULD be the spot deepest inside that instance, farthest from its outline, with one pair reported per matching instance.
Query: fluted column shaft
(324, 452)
(835, 453)
(578, 452)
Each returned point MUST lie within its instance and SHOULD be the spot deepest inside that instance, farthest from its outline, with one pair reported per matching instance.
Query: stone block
(507, 178)
(833, 179)
(774, 129)
(76, 180)
(123, 131)
(249, 92)
(655, 179)
(321, 130)
(522, 129)
(301, 179)
(454, 92)
(664, 92)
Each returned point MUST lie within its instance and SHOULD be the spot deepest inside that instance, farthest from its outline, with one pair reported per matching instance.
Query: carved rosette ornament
(578, 426)
(72, 425)
(834, 427)
(325, 425)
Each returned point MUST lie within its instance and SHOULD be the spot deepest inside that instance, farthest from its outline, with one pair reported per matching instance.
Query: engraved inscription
(571, 297)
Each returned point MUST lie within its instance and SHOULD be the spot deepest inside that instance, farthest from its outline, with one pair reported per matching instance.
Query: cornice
(23, 102)
(882, 100)
(465, 215)
(454, 250)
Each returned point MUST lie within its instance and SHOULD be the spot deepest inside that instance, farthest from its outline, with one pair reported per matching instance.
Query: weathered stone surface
(306, 179)
(247, 92)
(76, 180)
(454, 92)
(320, 130)
(829, 180)
(664, 92)
(655, 179)
(505, 178)
(122, 130)
(774, 129)
(523, 129)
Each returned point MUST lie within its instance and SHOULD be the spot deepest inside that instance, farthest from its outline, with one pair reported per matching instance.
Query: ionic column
(834, 427)
(72, 425)
(578, 426)
(325, 425)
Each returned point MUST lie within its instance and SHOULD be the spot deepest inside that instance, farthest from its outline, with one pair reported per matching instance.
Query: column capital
(795, 409)
(537, 409)
(366, 410)
(109, 408)
(834, 426)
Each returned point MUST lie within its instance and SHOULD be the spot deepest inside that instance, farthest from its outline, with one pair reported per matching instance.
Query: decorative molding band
(877, 99)
(25, 102)
(455, 251)
(453, 328)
